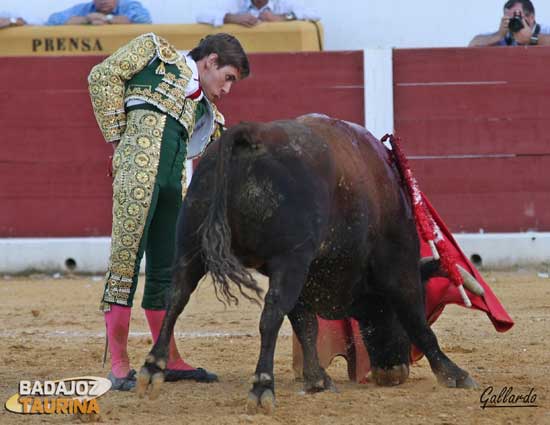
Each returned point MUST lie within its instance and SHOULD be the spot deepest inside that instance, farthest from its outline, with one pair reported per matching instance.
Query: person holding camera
(517, 28)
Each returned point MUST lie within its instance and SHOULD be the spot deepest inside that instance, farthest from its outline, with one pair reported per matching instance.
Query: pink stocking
(175, 362)
(117, 322)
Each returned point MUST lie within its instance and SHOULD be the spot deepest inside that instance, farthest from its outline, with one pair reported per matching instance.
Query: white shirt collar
(194, 83)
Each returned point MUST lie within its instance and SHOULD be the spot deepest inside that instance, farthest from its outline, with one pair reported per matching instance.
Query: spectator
(10, 20)
(100, 12)
(517, 28)
(251, 12)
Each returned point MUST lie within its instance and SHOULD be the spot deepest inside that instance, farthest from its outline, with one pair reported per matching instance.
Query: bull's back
(362, 171)
(315, 177)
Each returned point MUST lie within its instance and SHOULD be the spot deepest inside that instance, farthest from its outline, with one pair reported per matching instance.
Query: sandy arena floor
(52, 329)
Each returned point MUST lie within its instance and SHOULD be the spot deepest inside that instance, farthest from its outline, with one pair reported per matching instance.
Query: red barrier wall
(53, 161)
(473, 121)
(478, 120)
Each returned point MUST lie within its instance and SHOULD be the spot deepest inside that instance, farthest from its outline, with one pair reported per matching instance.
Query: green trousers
(148, 189)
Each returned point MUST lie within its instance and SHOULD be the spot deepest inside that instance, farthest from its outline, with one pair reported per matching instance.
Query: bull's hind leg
(386, 340)
(305, 326)
(287, 276)
(406, 296)
(185, 278)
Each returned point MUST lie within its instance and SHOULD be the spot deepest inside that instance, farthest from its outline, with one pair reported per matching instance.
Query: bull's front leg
(405, 293)
(152, 371)
(185, 278)
(287, 277)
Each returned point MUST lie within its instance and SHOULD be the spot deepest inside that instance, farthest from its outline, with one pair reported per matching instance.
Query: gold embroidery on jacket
(183, 183)
(106, 84)
(107, 80)
(218, 117)
(182, 110)
(217, 132)
(219, 125)
(180, 83)
(161, 70)
(166, 52)
(135, 167)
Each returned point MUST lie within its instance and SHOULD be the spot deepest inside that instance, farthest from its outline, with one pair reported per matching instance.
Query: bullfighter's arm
(107, 79)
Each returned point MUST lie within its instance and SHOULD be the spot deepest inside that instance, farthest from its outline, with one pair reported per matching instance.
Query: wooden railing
(295, 36)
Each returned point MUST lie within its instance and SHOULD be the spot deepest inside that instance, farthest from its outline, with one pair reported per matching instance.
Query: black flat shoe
(123, 384)
(199, 374)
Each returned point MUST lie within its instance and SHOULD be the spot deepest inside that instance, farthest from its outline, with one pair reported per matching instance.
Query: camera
(516, 22)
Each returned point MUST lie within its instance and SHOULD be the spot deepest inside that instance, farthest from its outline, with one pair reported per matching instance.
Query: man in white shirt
(251, 12)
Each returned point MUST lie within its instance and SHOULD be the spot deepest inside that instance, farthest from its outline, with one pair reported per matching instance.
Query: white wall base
(498, 250)
(90, 255)
(18, 255)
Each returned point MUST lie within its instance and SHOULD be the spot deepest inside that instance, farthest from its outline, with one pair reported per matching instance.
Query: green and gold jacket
(149, 69)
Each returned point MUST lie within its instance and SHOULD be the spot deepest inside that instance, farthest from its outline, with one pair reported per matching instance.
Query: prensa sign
(65, 396)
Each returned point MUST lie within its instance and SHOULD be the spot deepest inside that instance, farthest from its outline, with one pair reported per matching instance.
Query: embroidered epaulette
(166, 52)
(218, 117)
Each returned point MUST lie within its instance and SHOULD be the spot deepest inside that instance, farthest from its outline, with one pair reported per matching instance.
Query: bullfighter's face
(217, 81)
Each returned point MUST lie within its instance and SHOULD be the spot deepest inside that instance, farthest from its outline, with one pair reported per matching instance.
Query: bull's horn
(434, 250)
(426, 260)
(470, 282)
(464, 296)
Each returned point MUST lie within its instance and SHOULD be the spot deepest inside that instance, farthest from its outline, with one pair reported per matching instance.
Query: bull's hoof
(146, 380)
(395, 375)
(319, 385)
(267, 402)
(261, 399)
(264, 404)
(463, 380)
(252, 404)
(150, 375)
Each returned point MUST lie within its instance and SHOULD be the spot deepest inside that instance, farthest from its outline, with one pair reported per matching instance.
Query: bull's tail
(223, 265)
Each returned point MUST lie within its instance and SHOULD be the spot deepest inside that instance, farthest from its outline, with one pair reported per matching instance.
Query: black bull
(313, 204)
